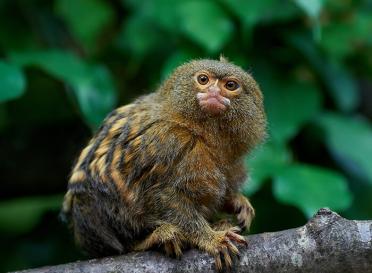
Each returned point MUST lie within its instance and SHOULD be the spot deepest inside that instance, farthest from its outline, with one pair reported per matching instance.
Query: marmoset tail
(159, 169)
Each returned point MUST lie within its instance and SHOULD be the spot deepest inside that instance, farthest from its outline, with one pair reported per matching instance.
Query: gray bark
(327, 243)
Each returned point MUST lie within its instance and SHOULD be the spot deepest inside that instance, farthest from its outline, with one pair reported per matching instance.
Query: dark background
(64, 64)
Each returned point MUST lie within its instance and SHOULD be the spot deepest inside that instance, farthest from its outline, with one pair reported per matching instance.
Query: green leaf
(340, 83)
(206, 23)
(286, 114)
(311, 188)
(337, 40)
(138, 35)
(12, 82)
(311, 7)
(264, 162)
(60, 64)
(96, 96)
(256, 11)
(188, 18)
(86, 18)
(344, 38)
(350, 141)
(163, 14)
(21, 215)
(92, 85)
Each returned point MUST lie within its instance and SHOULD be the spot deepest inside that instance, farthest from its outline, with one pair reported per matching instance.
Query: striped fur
(152, 168)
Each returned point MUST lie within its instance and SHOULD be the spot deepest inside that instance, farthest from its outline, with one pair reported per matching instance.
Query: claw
(244, 212)
(177, 250)
(233, 248)
(226, 249)
(173, 249)
(227, 258)
(235, 229)
(218, 262)
(236, 237)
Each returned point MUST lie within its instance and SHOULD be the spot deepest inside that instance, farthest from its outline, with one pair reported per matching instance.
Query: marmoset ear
(223, 58)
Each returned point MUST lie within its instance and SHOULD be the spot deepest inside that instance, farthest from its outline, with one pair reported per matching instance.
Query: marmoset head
(212, 89)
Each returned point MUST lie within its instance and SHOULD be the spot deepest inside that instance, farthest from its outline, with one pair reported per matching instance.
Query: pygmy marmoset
(158, 169)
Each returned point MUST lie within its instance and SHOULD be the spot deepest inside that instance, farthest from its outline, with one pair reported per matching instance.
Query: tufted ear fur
(223, 58)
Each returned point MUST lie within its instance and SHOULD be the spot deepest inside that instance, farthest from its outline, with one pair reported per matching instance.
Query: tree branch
(327, 243)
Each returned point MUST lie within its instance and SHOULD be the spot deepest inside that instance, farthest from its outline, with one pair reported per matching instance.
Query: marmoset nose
(214, 90)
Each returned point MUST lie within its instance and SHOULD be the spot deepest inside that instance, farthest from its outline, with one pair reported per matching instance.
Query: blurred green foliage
(64, 64)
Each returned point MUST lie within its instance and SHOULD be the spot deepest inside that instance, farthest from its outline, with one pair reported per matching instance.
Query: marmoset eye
(232, 85)
(203, 79)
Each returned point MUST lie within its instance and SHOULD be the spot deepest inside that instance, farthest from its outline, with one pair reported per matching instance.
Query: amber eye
(203, 79)
(232, 85)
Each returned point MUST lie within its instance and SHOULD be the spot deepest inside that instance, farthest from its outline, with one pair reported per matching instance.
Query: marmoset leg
(240, 205)
(198, 232)
(219, 243)
(223, 224)
(167, 235)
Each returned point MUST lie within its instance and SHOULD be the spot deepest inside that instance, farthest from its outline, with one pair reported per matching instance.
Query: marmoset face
(213, 89)
(215, 93)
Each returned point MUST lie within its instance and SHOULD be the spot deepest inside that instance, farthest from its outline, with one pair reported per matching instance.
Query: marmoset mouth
(213, 103)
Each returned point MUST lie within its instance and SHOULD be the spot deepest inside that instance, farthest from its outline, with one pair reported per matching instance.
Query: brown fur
(158, 170)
